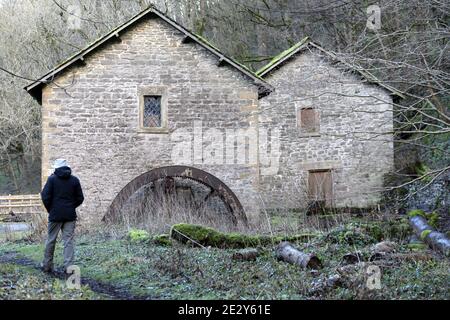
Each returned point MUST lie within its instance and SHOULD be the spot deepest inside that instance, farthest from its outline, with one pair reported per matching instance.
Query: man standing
(61, 195)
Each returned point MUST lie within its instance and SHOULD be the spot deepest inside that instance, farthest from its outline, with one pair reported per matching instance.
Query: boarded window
(152, 112)
(320, 187)
(308, 120)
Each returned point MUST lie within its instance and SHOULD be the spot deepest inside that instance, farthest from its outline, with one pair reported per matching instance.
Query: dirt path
(99, 287)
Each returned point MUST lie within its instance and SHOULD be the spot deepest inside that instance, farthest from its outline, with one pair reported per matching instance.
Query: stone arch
(217, 187)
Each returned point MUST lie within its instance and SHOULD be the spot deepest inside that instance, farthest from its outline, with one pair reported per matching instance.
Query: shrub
(416, 212)
(162, 240)
(424, 234)
(136, 235)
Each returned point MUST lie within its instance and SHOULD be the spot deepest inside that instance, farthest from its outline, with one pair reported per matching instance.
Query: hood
(63, 172)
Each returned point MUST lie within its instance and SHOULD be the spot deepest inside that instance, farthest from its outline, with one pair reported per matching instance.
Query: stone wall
(90, 114)
(355, 139)
(91, 118)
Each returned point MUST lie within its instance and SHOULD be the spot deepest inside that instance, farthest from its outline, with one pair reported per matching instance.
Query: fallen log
(246, 255)
(352, 258)
(436, 240)
(208, 237)
(286, 252)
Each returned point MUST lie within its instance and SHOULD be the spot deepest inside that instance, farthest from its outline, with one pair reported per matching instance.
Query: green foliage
(424, 234)
(369, 232)
(432, 217)
(416, 212)
(375, 231)
(422, 170)
(183, 272)
(351, 234)
(417, 246)
(200, 25)
(437, 156)
(162, 240)
(397, 229)
(136, 235)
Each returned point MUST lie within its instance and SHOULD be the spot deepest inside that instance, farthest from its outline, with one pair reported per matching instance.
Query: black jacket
(61, 195)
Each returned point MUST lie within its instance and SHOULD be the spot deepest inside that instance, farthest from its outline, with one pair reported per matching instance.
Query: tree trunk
(286, 252)
(436, 240)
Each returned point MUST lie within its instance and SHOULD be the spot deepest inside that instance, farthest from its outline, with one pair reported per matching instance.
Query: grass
(14, 236)
(26, 283)
(183, 272)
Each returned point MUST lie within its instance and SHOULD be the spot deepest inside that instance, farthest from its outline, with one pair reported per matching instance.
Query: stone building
(151, 99)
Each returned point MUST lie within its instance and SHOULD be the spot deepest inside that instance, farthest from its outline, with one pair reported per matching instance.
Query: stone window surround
(298, 120)
(153, 91)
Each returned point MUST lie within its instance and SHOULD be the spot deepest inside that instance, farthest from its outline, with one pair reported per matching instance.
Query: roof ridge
(34, 88)
(282, 55)
(288, 53)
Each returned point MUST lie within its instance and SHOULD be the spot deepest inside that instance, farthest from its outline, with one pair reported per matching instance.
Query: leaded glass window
(152, 112)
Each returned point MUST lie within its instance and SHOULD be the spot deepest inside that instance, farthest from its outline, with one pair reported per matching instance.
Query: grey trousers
(68, 231)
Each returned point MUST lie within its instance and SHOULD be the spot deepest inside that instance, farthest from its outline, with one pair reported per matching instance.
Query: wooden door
(320, 187)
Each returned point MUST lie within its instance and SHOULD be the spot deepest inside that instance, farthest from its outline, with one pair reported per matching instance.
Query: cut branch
(286, 252)
(436, 240)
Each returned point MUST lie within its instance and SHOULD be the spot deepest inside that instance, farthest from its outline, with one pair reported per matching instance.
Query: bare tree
(409, 53)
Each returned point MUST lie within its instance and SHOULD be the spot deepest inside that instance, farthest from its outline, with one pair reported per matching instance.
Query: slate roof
(307, 43)
(35, 88)
(264, 88)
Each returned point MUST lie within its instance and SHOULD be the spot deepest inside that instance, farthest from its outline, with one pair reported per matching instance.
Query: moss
(186, 232)
(433, 218)
(416, 212)
(162, 240)
(396, 229)
(424, 234)
(189, 233)
(136, 235)
(281, 56)
(416, 246)
(423, 170)
(375, 231)
(350, 234)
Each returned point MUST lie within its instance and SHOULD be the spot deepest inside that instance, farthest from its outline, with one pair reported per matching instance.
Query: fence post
(9, 204)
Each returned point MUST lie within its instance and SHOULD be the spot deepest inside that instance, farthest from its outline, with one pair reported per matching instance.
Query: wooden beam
(117, 38)
(186, 39)
(221, 62)
(81, 61)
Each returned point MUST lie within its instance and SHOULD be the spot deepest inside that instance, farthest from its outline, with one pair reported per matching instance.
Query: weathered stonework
(91, 117)
(355, 139)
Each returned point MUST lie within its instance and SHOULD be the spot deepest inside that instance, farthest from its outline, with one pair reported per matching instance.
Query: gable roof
(35, 88)
(306, 43)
